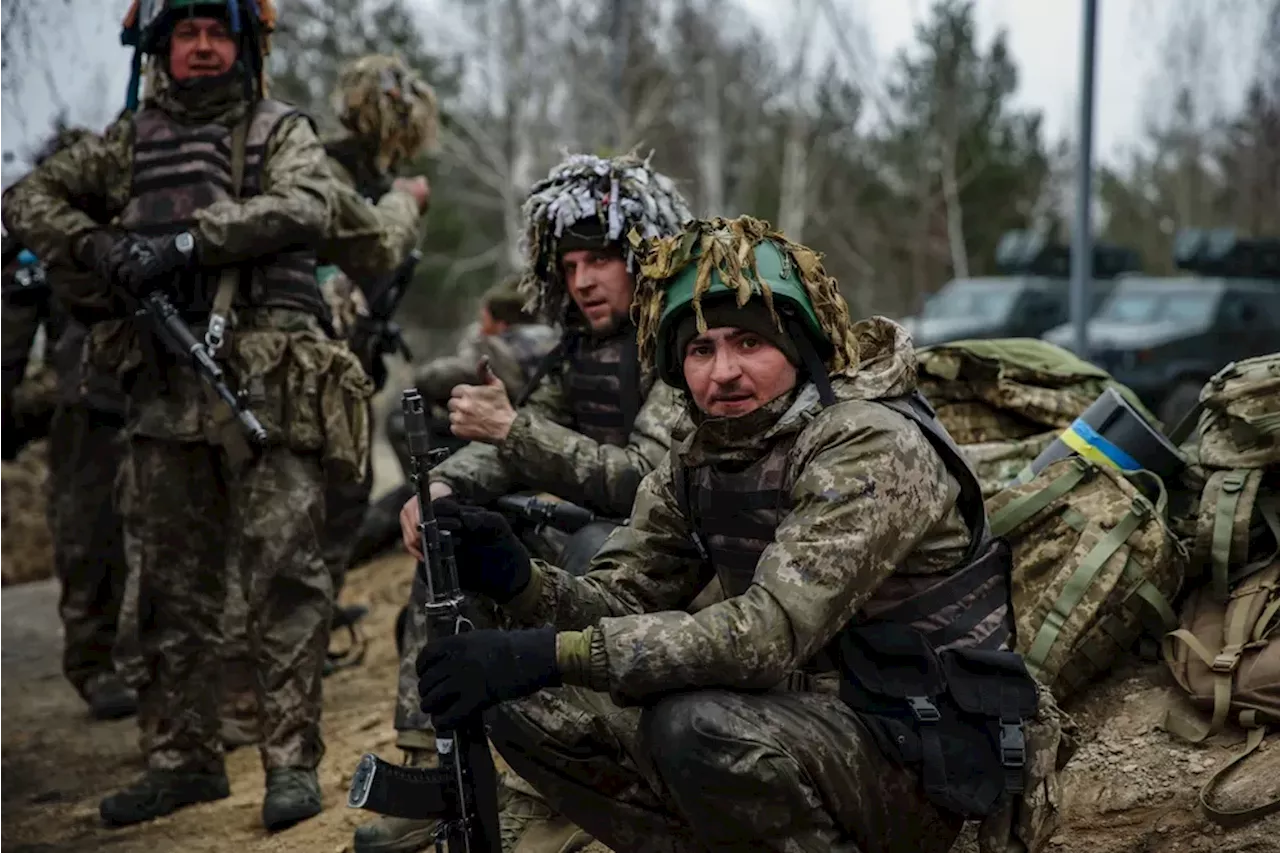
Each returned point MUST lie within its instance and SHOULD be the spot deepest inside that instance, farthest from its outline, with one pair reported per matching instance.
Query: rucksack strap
(1019, 511)
(1236, 817)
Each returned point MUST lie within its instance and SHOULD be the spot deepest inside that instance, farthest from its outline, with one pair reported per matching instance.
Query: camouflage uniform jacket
(543, 451)
(371, 229)
(871, 499)
(90, 183)
(513, 356)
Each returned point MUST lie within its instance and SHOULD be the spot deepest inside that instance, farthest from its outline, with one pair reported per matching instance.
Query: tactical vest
(736, 513)
(180, 169)
(603, 386)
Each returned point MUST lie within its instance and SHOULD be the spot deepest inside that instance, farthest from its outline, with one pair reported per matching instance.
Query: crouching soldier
(849, 537)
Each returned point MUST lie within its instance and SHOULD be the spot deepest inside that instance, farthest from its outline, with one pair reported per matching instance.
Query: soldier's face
(732, 372)
(200, 47)
(599, 285)
(488, 325)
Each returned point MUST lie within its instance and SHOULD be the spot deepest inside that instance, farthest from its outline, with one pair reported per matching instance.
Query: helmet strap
(814, 365)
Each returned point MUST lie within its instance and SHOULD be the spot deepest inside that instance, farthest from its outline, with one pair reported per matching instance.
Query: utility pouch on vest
(957, 715)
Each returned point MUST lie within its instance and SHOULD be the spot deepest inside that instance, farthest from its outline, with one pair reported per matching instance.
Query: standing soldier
(849, 536)
(593, 426)
(86, 445)
(213, 193)
(390, 116)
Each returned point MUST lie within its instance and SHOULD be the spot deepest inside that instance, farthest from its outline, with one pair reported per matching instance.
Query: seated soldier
(823, 494)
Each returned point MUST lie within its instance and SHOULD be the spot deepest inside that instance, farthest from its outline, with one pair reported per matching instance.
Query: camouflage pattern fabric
(718, 770)
(543, 452)
(179, 500)
(384, 102)
(1004, 401)
(85, 451)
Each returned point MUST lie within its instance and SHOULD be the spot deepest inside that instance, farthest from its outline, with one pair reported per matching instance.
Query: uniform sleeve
(870, 489)
(602, 477)
(650, 564)
(72, 193)
(368, 241)
(292, 209)
(479, 473)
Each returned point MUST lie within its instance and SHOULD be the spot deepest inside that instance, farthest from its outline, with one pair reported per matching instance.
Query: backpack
(1093, 563)
(1237, 522)
(1226, 657)
(1004, 401)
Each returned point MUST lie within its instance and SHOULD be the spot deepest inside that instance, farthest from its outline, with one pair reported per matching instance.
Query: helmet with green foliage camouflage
(715, 260)
(592, 201)
(381, 99)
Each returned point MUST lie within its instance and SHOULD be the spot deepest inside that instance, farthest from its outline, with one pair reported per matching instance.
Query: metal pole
(1082, 234)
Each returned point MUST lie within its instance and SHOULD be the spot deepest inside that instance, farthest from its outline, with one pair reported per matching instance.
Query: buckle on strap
(923, 710)
(214, 335)
(1227, 660)
(1013, 744)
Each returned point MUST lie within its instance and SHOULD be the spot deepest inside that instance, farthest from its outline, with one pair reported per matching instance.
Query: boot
(528, 825)
(161, 792)
(293, 795)
(109, 698)
(397, 834)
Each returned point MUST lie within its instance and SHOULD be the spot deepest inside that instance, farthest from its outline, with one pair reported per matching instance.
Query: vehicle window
(1153, 305)
(1239, 310)
(976, 298)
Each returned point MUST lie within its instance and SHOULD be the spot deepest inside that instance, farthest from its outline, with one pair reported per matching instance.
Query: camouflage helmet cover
(622, 194)
(739, 258)
(381, 99)
(63, 137)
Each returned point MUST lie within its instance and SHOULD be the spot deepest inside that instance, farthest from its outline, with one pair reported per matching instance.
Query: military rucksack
(1093, 563)
(1237, 523)
(1004, 401)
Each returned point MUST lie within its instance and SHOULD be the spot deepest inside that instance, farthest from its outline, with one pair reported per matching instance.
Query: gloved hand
(491, 559)
(148, 262)
(101, 251)
(467, 673)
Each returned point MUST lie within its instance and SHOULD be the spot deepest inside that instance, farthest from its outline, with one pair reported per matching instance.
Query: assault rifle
(168, 327)
(559, 515)
(377, 335)
(463, 791)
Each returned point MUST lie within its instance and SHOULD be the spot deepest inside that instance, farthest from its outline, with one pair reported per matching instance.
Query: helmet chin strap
(813, 365)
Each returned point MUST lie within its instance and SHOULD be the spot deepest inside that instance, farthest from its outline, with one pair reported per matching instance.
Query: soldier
(389, 114)
(592, 427)
(822, 493)
(213, 192)
(86, 445)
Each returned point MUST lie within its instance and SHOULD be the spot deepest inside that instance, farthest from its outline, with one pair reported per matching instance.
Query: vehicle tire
(1178, 402)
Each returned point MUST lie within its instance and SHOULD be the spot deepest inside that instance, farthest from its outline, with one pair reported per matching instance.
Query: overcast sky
(1044, 37)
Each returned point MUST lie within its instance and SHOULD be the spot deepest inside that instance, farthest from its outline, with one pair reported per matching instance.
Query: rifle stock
(463, 791)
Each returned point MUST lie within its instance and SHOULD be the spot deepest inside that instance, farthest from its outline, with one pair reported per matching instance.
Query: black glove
(101, 251)
(491, 559)
(467, 673)
(143, 264)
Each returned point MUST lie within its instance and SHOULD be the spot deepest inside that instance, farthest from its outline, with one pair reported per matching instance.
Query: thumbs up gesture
(481, 412)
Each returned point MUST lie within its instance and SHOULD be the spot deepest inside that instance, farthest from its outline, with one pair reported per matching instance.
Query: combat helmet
(149, 23)
(717, 260)
(590, 201)
(382, 100)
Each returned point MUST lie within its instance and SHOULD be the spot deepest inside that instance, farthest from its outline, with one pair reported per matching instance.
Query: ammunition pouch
(957, 716)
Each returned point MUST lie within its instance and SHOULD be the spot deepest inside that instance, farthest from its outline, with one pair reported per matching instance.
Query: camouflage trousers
(86, 447)
(190, 522)
(715, 770)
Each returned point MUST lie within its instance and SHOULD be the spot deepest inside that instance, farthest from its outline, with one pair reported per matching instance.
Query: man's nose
(724, 367)
(203, 43)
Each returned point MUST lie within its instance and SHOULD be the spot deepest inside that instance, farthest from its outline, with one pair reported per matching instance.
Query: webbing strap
(1224, 513)
(1267, 506)
(1187, 728)
(1018, 511)
(1078, 584)
(1236, 817)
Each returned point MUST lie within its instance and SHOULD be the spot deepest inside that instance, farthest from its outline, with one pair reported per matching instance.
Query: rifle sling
(227, 429)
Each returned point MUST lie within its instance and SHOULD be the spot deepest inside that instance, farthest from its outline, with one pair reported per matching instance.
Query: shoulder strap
(558, 354)
(629, 380)
(680, 484)
(916, 408)
(229, 280)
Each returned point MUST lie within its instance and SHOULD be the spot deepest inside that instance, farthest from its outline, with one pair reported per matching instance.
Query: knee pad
(678, 735)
